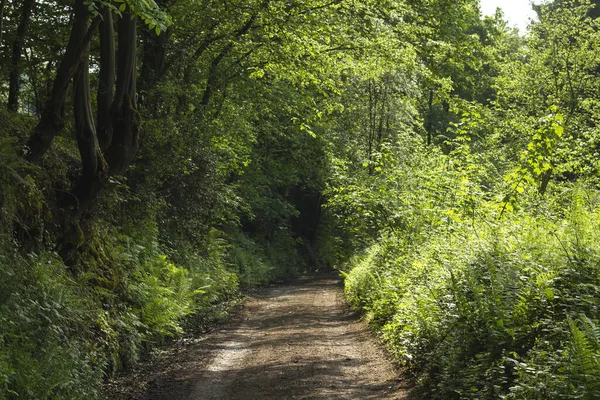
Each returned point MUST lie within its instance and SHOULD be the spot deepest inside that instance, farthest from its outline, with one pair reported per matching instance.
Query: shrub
(496, 309)
(45, 347)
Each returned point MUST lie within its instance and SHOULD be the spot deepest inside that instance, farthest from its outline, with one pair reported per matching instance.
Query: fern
(585, 356)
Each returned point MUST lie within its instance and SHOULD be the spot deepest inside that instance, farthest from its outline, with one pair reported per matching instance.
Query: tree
(112, 148)
(17, 50)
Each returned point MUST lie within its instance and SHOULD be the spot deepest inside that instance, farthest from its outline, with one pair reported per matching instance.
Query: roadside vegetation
(475, 253)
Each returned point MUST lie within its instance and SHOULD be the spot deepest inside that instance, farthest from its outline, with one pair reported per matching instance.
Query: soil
(290, 341)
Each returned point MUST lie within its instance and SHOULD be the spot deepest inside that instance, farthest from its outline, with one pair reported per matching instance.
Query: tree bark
(117, 113)
(17, 50)
(429, 119)
(126, 136)
(93, 164)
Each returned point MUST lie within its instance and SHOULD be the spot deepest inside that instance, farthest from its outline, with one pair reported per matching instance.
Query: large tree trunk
(93, 164)
(126, 136)
(106, 81)
(17, 50)
(52, 120)
(117, 116)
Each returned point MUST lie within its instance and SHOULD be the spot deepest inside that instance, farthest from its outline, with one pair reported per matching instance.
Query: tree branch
(52, 120)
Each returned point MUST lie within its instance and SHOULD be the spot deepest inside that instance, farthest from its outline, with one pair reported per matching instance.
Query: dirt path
(293, 341)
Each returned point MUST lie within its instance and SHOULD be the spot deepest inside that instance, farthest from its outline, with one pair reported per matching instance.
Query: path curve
(292, 341)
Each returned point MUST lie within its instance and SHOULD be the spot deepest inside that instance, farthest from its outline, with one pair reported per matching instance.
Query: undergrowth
(492, 308)
(63, 332)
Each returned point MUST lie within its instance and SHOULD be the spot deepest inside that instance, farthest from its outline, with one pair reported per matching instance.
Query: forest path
(292, 341)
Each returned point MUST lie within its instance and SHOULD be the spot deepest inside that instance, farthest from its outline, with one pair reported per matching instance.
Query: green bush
(496, 309)
(64, 329)
(46, 351)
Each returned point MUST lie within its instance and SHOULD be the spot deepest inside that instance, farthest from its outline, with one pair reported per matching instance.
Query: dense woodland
(158, 157)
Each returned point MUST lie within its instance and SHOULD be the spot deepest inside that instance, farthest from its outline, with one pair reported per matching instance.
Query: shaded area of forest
(157, 157)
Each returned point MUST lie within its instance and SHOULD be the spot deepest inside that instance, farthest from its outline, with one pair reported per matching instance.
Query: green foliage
(257, 265)
(476, 296)
(478, 284)
(18, 190)
(539, 161)
(247, 258)
(164, 295)
(61, 334)
(147, 10)
(485, 311)
(44, 331)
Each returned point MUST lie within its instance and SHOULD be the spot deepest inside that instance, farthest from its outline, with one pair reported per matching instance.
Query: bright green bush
(498, 309)
(164, 295)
